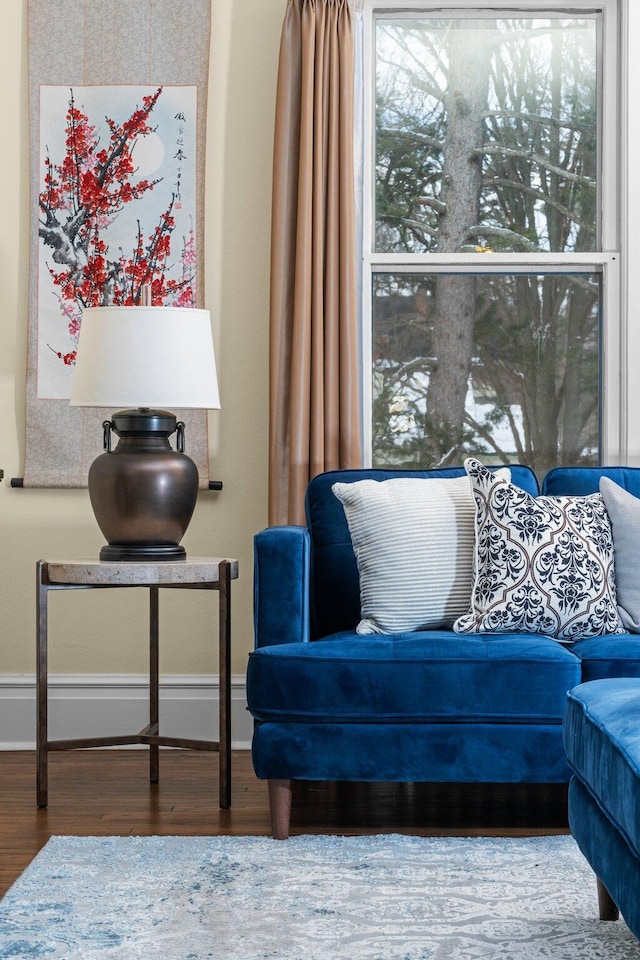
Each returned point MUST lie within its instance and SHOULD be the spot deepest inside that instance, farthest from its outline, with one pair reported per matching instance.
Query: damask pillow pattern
(413, 538)
(542, 564)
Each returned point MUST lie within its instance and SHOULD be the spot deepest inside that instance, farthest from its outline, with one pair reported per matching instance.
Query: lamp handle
(180, 428)
(107, 426)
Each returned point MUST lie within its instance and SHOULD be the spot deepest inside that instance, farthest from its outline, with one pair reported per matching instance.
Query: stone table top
(139, 573)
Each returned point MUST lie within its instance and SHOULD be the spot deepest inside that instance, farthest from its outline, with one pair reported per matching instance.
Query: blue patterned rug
(308, 898)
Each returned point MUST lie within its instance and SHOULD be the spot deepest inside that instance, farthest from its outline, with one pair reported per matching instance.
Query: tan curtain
(314, 381)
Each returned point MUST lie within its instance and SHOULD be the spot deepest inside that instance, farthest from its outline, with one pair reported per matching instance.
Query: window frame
(607, 261)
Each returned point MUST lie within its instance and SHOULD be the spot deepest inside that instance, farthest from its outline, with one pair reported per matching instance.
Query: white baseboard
(97, 705)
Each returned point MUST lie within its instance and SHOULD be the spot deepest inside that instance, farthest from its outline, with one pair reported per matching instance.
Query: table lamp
(144, 359)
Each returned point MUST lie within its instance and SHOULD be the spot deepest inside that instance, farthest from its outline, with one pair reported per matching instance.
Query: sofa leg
(608, 909)
(280, 806)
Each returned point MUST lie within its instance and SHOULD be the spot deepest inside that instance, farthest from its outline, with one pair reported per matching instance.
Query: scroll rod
(19, 482)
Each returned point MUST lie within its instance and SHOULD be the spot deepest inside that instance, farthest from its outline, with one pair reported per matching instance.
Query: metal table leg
(154, 679)
(225, 685)
(41, 683)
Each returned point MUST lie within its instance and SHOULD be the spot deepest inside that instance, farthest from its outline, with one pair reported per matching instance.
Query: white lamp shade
(145, 357)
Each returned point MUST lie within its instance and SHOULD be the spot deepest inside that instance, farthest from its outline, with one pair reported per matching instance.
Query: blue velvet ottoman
(602, 743)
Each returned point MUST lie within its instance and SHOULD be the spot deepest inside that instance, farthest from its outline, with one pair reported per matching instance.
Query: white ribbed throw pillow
(414, 543)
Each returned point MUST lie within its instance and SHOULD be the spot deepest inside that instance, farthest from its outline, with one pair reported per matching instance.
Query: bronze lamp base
(143, 493)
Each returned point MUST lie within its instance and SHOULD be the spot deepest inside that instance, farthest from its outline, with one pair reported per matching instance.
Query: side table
(194, 573)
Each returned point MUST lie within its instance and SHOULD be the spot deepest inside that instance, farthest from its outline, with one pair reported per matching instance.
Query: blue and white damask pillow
(542, 564)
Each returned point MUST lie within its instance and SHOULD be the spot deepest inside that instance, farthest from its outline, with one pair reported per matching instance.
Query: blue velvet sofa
(438, 706)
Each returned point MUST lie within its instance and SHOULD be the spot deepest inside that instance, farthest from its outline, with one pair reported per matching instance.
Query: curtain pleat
(314, 380)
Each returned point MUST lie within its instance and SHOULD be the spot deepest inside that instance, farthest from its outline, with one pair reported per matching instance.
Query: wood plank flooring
(107, 792)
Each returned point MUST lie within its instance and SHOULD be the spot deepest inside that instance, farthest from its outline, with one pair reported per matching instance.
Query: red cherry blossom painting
(116, 210)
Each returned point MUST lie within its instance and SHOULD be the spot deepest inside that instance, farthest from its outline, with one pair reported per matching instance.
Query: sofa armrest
(282, 557)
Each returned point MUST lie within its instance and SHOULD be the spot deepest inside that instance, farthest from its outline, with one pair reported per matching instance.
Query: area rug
(309, 898)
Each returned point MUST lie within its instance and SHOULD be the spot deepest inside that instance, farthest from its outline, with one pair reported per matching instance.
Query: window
(491, 269)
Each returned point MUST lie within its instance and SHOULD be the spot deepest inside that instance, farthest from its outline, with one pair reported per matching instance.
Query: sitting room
(320, 480)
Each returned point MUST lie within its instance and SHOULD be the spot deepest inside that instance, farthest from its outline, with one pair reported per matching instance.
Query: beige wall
(105, 632)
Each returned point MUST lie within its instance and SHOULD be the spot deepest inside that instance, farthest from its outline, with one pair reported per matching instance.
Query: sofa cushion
(624, 512)
(335, 588)
(543, 565)
(615, 656)
(413, 539)
(434, 676)
(602, 743)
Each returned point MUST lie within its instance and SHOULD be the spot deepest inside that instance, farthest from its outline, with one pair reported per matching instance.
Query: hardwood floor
(107, 792)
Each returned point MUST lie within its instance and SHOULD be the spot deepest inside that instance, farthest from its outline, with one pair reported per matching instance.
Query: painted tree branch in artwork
(82, 197)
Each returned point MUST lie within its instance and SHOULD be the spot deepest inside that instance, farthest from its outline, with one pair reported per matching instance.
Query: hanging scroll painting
(117, 137)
